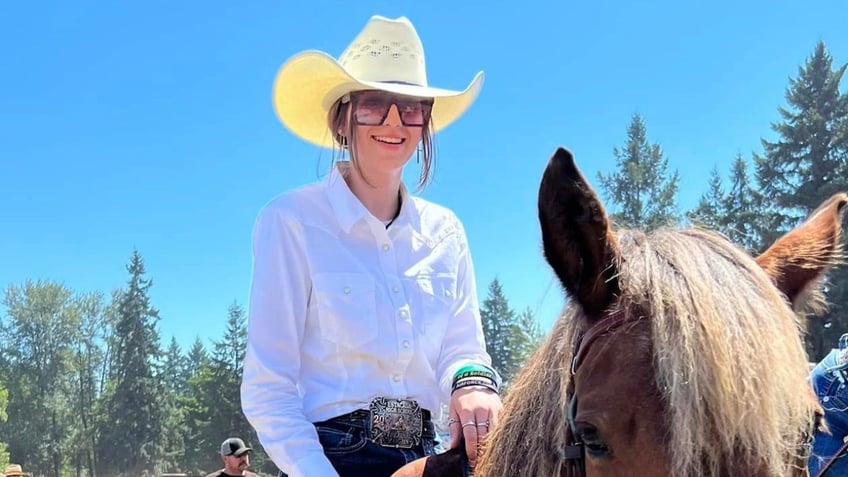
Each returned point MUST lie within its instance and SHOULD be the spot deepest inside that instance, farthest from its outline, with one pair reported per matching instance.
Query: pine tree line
(86, 389)
(763, 197)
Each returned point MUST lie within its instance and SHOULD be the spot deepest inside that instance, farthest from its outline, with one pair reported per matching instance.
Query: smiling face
(387, 146)
(383, 131)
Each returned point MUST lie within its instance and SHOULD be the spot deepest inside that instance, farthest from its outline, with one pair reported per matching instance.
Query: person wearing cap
(829, 380)
(236, 457)
(363, 311)
(15, 470)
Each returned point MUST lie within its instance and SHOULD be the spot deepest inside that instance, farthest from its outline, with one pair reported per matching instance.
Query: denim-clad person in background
(830, 382)
(363, 314)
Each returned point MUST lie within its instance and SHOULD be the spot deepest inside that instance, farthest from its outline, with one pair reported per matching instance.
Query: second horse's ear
(798, 261)
(576, 235)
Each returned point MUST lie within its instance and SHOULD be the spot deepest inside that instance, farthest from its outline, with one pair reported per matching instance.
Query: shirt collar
(347, 208)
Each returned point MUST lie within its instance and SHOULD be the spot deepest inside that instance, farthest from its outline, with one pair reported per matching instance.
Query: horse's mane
(728, 359)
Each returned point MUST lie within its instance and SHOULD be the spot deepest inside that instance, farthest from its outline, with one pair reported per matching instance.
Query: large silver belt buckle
(396, 422)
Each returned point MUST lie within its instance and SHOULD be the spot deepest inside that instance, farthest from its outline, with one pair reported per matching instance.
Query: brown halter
(574, 452)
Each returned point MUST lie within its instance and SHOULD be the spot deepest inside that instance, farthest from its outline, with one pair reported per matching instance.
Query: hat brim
(308, 84)
(242, 452)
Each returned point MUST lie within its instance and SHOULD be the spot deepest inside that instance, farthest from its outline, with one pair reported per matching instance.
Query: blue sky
(149, 124)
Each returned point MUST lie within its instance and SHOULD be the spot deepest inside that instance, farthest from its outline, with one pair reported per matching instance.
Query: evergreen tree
(709, 212)
(175, 368)
(216, 395)
(743, 215)
(808, 162)
(174, 387)
(736, 213)
(195, 404)
(510, 337)
(196, 359)
(642, 186)
(806, 165)
(497, 317)
(528, 336)
(131, 441)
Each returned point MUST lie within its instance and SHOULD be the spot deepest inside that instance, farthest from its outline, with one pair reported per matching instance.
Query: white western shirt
(343, 310)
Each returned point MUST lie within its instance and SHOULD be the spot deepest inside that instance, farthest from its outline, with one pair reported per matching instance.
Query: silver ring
(484, 423)
(452, 421)
(469, 424)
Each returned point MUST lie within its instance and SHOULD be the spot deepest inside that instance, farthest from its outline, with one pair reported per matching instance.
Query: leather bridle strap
(573, 453)
(585, 341)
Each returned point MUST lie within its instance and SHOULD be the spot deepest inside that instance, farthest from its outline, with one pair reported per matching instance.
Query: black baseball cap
(234, 446)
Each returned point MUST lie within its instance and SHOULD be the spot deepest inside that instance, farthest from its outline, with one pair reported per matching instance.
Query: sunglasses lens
(371, 109)
(411, 112)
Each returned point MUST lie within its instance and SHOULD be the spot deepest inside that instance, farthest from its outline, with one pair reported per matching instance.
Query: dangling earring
(418, 155)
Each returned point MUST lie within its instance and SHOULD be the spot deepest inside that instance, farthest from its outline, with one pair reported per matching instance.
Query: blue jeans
(830, 383)
(346, 444)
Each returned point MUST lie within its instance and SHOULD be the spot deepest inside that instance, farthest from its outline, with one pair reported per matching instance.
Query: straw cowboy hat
(386, 55)
(14, 470)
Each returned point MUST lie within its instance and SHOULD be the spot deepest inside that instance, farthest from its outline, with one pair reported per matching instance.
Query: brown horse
(678, 353)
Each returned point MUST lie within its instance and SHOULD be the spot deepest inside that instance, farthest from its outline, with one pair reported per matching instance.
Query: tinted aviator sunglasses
(371, 108)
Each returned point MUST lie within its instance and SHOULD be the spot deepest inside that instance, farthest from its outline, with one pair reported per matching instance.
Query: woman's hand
(473, 413)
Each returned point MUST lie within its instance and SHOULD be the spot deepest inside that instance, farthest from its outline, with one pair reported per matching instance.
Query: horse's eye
(595, 445)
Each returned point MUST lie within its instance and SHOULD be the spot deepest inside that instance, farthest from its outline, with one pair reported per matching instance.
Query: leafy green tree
(41, 326)
(4, 403)
(88, 361)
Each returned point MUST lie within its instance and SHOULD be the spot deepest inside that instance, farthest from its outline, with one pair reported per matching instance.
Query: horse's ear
(576, 236)
(798, 260)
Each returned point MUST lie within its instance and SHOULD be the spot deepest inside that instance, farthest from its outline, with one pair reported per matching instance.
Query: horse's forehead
(618, 368)
(617, 393)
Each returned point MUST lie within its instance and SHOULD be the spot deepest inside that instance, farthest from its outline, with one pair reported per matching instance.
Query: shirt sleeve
(279, 296)
(464, 341)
